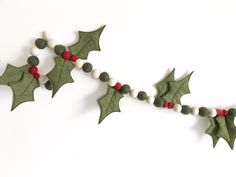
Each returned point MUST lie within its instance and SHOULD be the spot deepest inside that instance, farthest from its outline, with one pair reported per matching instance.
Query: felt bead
(36, 75)
(51, 43)
(34, 51)
(225, 112)
(212, 112)
(118, 86)
(186, 109)
(166, 103)
(79, 63)
(104, 77)
(41, 43)
(33, 61)
(142, 95)
(43, 80)
(125, 89)
(159, 102)
(219, 112)
(232, 112)
(150, 99)
(87, 67)
(204, 112)
(66, 55)
(195, 111)
(33, 70)
(133, 93)
(59, 49)
(73, 58)
(48, 85)
(177, 108)
(95, 73)
(112, 82)
(170, 105)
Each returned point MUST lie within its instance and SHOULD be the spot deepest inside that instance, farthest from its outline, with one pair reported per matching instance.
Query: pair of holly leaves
(23, 83)
(220, 127)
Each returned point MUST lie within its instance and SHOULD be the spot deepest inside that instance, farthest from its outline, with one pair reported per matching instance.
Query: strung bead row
(205, 112)
(33, 60)
(158, 102)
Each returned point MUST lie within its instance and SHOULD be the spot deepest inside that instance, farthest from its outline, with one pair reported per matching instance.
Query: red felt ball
(66, 55)
(36, 75)
(118, 86)
(225, 112)
(33, 70)
(73, 58)
(170, 105)
(219, 112)
(166, 103)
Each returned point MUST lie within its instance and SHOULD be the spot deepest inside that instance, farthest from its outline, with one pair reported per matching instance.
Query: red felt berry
(225, 112)
(170, 105)
(33, 70)
(73, 58)
(66, 55)
(219, 112)
(166, 103)
(36, 75)
(118, 86)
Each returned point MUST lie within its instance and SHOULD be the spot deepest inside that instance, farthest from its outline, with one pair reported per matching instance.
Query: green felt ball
(232, 112)
(204, 112)
(33, 61)
(142, 95)
(125, 89)
(87, 67)
(48, 85)
(104, 77)
(158, 102)
(41, 43)
(59, 49)
(186, 109)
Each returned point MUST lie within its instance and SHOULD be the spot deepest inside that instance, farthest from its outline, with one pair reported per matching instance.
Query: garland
(25, 79)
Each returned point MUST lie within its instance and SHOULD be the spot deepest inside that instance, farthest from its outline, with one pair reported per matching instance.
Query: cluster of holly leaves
(23, 85)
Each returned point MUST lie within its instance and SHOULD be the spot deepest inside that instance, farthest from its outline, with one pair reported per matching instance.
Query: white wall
(143, 39)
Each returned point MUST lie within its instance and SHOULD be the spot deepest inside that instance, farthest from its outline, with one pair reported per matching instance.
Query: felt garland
(25, 79)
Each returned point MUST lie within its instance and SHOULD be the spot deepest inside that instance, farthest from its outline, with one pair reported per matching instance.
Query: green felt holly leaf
(227, 129)
(23, 90)
(213, 130)
(109, 103)
(60, 74)
(177, 90)
(163, 86)
(88, 41)
(12, 74)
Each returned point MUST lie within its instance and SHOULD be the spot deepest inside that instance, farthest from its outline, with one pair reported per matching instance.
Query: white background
(143, 39)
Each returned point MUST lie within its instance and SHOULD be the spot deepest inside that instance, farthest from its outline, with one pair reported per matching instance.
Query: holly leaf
(12, 74)
(88, 41)
(109, 103)
(23, 90)
(177, 90)
(163, 86)
(60, 74)
(213, 130)
(227, 129)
